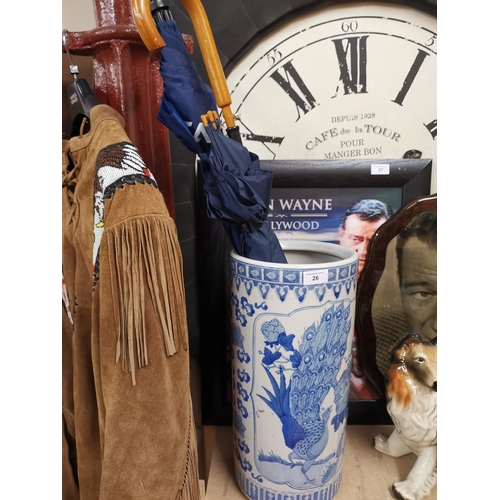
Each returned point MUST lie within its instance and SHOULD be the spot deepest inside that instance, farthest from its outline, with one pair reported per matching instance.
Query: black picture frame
(411, 176)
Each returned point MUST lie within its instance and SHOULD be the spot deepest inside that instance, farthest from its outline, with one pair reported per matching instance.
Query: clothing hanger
(141, 11)
(81, 97)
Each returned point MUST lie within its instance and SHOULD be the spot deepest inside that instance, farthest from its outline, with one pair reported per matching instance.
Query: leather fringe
(146, 257)
(190, 488)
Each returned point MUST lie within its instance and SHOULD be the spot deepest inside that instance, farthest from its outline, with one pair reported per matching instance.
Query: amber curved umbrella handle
(141, 12)
(153, 40)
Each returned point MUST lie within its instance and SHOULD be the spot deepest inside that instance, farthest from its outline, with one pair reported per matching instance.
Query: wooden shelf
(366, 473)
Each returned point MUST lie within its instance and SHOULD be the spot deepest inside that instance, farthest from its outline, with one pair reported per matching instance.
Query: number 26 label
(315, 277)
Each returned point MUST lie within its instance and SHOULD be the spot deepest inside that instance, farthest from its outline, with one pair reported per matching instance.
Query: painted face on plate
(419, 287)
(357, 234)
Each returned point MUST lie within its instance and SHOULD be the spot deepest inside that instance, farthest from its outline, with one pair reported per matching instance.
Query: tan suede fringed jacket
(126, 394)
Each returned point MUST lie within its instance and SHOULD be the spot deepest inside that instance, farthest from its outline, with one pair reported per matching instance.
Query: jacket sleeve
(141, 359)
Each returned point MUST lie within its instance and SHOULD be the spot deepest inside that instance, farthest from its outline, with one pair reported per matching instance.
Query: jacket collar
(98, 114)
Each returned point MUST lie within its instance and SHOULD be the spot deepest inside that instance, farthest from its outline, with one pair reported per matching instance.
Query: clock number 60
(274, 57)
(349, 26)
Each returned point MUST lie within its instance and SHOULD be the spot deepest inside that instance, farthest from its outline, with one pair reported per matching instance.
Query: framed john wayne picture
(337, 201)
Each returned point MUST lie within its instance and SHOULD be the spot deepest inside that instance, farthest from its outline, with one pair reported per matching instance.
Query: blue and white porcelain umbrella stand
(292, 328)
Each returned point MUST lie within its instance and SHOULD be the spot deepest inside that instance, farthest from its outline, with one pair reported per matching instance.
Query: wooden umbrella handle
(211, 57)
(146, 27)
(141, 12)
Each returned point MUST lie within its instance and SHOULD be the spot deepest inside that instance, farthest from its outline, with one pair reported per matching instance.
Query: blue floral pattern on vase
(243, 446)
(242, 356)
(242, 392)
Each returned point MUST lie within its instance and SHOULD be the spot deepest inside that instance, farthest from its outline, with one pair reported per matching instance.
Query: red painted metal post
(127, 78)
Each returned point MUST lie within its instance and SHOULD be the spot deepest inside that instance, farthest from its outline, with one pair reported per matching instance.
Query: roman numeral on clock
(432, 127)
(306, 102)
(352, 73)
(410, 77)
(265, 140)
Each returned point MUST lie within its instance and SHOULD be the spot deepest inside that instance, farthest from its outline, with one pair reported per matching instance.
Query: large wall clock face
(348, 81)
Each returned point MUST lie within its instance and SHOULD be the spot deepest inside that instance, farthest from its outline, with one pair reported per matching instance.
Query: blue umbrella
(238, 193)
(237, 190)
(185, 96)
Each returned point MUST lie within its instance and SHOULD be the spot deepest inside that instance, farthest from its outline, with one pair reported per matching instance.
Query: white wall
(78, 15)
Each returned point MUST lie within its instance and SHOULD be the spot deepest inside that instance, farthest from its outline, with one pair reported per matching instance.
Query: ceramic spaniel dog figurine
(412, 405)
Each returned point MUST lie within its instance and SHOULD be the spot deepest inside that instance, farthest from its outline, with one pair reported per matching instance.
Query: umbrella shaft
(210, 57)
(234, 133)
(227, 114)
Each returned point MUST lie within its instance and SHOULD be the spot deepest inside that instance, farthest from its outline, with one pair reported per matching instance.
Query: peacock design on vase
(291, 357)
(299, 403)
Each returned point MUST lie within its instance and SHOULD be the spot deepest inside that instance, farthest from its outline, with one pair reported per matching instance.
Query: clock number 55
(274, 57)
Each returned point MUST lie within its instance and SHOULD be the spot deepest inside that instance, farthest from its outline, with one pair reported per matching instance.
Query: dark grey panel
(183, 179)
(188, 249)
(185, 221)
(193, 319)
(264, 13)
(178, 152)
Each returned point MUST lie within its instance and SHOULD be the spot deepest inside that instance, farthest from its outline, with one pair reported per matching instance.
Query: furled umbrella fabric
(186, 96)
(238, 194)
